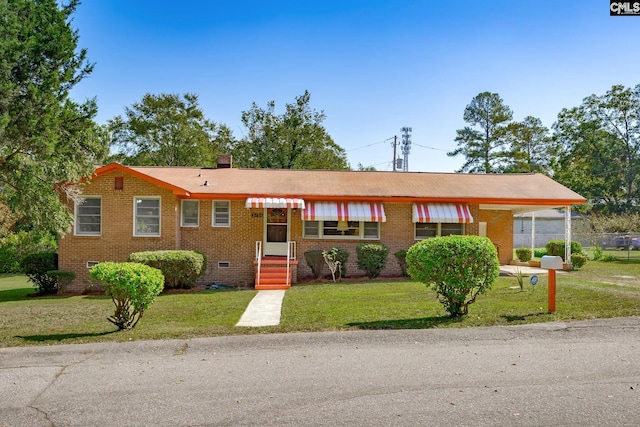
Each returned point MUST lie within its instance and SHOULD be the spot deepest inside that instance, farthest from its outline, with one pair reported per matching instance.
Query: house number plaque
(257, 215)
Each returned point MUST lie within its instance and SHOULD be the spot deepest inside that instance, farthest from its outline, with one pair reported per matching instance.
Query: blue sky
(372, 66)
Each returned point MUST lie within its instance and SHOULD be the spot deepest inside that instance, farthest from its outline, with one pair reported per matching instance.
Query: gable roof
(233, 183)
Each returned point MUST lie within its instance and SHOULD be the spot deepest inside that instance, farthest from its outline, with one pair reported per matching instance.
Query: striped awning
(344, 211)
(274, 202)
(441, 212)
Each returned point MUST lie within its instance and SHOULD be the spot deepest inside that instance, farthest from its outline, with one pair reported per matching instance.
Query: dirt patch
(624, 281)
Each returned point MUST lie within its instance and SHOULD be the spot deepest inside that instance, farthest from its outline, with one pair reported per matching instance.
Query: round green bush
(372, 257)
(401, 256)
(36, 266)
(132, 288)
(458, 268)
(523, 254)
(315, 261)
(578, 261)
(556, 248)
(181, 269)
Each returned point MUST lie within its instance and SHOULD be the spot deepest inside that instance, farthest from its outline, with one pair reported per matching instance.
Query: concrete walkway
(512, 270)
(263, 310)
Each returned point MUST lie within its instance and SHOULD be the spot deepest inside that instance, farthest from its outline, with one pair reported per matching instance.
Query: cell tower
(406, 147)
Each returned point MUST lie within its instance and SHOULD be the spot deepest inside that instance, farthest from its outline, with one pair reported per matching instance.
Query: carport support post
(552, 290)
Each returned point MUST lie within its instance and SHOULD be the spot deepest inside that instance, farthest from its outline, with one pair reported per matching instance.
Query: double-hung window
(354, 230)
(426, 230)
(221, 213)
(190, 213)
(147, 216)
(88, 221)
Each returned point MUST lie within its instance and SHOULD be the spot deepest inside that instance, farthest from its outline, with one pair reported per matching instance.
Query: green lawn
(600, 289)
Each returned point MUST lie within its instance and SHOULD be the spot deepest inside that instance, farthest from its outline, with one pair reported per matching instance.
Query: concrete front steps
(273, 273)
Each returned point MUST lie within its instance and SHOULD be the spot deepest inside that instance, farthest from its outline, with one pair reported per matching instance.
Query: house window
(190, 213)
(147, 216)
(89, 217)
(447, 229)
(311, 229)
(426, 230)
(371, 230)
(341, 230)
(221, 213)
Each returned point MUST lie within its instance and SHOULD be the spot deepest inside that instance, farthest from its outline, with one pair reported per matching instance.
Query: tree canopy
(167, 130)
(295, 139)
(484, 149)
(529, 147)
(46, 138)
(598, 149)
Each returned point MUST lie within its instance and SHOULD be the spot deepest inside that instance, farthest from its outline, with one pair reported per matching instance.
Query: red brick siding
(500, 231)
(117, 240)
(234, 244)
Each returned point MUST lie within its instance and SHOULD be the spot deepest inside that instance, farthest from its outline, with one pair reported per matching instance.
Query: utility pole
(406, 147)
(395, 142)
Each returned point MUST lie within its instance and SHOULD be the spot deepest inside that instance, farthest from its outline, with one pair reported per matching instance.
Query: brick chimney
(224, 161)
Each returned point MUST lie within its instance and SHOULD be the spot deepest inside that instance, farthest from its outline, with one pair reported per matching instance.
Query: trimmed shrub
(372, 257)
(539, 252)
(36, 266)
(132, 287)
(342, 255)
(597, 253)
(181, 269)
(458, 268)
(523, 254)
(15, 246)
(556, 248)
(62, 278)
(401, 256)
(315, 261)
(578, 261)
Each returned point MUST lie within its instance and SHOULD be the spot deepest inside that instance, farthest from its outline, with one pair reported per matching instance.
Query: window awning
(344, 211)
(442, 212)
(274, 202)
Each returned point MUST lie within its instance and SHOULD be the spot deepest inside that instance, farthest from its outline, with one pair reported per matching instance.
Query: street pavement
(584, 373)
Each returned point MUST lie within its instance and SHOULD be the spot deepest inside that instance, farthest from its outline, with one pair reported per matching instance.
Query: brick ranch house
(247, 220)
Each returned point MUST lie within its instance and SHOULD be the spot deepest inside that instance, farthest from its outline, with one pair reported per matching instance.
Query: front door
(276, 231)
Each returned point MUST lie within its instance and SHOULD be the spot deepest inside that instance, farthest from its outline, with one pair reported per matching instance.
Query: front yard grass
(600, 289)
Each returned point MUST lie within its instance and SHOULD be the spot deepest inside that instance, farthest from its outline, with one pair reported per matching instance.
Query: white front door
(276, 231)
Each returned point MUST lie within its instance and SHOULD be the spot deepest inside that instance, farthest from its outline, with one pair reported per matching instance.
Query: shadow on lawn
(523, 318)
(421, 323)
(61, 337)
(15, 294)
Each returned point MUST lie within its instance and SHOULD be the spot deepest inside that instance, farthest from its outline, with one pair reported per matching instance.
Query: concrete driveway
(576, 373)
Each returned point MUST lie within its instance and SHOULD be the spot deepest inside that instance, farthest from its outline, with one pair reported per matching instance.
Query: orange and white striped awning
(442, 212)
(344, 211)
(274, 202)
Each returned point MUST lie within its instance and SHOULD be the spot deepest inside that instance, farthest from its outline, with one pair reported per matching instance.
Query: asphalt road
(576, 374)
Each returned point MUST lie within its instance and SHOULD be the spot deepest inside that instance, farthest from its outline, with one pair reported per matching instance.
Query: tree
(167, 130)
(363, 168)
(295, 139)
(598, 149)
(529, 145)
(484, 150)
(459, 268)
(45, 137)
